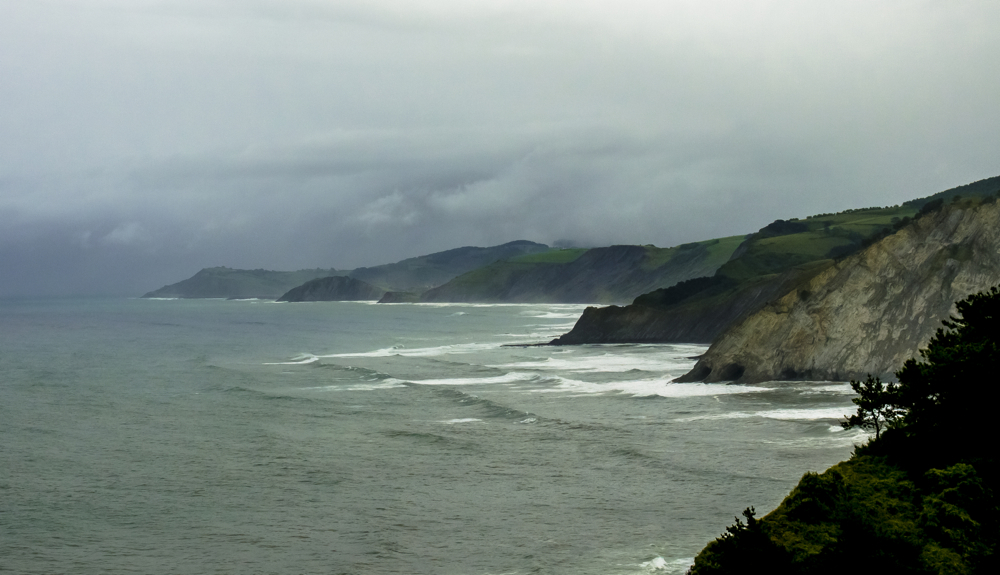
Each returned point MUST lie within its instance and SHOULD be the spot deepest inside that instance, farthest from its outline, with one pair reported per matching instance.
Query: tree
(877, 407)
(744, 547)
(946, 394)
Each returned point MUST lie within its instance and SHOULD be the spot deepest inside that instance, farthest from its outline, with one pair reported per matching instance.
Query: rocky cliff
(336, 288)
(700, 322)
(869, 312)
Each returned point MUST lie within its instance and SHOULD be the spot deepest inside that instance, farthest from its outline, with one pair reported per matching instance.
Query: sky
(142, 140)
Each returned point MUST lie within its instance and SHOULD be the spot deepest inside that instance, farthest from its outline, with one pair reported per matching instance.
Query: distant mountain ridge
(418, 273)
(611, 274)
(425, 272)
(223, 282)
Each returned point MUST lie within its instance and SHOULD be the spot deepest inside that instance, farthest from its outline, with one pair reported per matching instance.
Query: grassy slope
(769, 263)
(825, 236)
(423, 272)
(553, 256)
(587, 275)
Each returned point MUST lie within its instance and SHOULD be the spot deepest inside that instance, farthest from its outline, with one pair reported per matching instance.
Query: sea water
(212, 436)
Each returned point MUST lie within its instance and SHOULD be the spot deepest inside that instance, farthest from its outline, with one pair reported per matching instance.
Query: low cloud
(140, 142)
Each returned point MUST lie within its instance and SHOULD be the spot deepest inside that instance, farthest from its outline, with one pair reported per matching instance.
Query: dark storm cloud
(141, 141)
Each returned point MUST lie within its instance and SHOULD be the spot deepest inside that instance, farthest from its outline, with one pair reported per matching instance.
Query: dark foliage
(931, 206)
(743, 548)
(944, 393)
(877, 405)
(681, 291)
(901, 223)
(783, 228)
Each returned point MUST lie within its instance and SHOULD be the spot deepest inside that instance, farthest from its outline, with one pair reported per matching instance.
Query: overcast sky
(142, 140)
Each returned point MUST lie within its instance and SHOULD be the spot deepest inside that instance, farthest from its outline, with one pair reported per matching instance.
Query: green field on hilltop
(555, 256)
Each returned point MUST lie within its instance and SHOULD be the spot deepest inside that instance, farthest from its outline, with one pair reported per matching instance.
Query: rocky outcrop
(702, 323)
(335, 288)
(399, 297)
(869, 312)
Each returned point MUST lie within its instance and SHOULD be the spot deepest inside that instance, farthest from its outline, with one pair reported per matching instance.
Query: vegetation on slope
(223, 282)
(416, 274)
(919, 498)
(611, 274)
(777, 259)
(424, 272)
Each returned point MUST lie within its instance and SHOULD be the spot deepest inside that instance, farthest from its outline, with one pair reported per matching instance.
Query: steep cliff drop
(868, 312)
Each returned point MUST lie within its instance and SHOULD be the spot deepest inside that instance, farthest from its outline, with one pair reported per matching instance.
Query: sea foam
(662, 387)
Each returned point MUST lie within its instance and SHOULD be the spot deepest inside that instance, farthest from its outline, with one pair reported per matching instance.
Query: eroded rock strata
(869, 312)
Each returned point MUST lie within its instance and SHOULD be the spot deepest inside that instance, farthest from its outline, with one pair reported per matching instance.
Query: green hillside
(412, 274)
(778, 258)
(424, 272)
(597, 275)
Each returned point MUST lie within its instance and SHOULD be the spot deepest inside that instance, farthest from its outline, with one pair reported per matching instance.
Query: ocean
(213, 436)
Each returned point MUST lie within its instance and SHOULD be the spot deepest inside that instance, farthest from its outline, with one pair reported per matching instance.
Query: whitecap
(674, 359)
(551, 314)
(804, 414)
(662, 387)
(420, 351)
(512, 377)
(844, 438)
(841, 388)
(674, 566)
(462, 420)
(300, 360)
(384, 384)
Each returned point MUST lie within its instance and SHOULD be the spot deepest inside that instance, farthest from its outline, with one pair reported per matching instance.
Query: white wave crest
(662, 387)
(512, 377)
(300, 360)
(462, 420)
(610, 363)
(552, 314)
(807, 414)
(673, 566)
(420, 351)
(842, 388)
(384, 384)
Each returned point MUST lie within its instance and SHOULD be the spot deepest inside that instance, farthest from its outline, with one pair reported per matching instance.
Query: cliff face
(639, 323)
(336, 288)
(869, 312)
